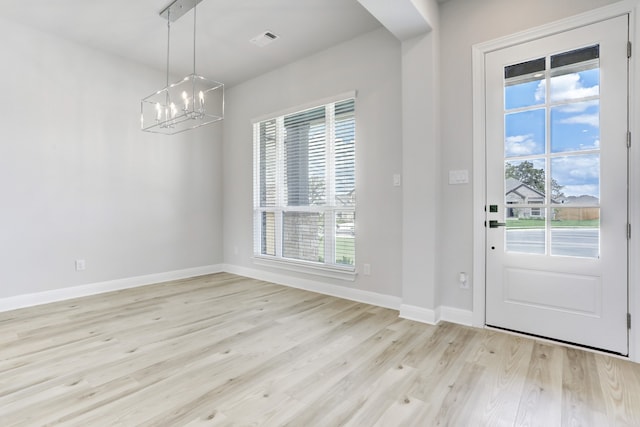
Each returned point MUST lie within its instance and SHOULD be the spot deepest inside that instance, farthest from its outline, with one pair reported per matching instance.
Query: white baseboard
(440, 314)
(456, 315)
(410, 312)
(38, 298)
(419, 314)
(358, 295)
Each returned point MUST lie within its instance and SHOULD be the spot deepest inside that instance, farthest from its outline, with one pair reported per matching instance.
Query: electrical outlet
(366, 269)
(80, 265)
(463, 280)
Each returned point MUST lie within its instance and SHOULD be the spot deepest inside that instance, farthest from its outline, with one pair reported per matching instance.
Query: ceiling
(134, 30)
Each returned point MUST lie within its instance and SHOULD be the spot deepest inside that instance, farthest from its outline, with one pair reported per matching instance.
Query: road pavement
(577, 242)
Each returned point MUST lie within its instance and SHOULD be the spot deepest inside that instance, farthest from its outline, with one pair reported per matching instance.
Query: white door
(556, 251)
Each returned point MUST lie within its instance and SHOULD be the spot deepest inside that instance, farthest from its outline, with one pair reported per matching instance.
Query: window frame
(329, 209)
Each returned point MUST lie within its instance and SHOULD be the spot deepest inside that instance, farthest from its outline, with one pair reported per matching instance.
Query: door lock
(495, 224)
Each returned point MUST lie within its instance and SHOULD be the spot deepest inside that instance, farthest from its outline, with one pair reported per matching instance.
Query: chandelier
(186, 104)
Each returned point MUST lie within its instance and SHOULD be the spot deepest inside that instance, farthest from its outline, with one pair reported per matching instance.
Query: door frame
(479, 155)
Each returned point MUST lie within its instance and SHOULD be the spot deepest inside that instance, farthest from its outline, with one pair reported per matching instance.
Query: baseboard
(456, 315)
(358, 295)
(410, 312)
(38, 298)
(439, 314)
(420, 314)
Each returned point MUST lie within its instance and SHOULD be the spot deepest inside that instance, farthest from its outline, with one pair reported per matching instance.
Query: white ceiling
(133, 29)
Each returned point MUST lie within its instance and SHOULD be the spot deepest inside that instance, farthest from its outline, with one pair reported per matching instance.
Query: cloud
(520, 145)
(583, 119)
(579, 175)
(541, 91)
(581, 190)
(577, 107)
(593, 146)
(577, 168)
(567, 86)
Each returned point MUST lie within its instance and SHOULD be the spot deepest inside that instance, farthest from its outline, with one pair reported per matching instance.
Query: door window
(552, 154)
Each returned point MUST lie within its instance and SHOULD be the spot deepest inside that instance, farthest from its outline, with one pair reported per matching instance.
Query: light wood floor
(223, 350)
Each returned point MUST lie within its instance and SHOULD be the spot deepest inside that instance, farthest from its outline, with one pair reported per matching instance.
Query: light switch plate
(459, 177)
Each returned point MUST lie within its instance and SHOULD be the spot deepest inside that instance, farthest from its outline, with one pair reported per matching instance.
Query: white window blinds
(304, 186)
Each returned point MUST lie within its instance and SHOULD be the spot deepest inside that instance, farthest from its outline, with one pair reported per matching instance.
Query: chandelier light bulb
(185, 98)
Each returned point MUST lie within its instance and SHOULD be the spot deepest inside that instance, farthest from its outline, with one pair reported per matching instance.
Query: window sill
(341, 273)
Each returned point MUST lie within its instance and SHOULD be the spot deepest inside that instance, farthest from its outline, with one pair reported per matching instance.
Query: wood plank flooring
(223, 350)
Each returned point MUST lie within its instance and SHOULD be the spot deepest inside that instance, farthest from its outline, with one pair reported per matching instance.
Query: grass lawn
(345, 250)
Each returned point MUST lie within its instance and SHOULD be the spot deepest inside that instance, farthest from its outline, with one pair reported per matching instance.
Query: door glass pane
(576, 179)
(524, 189)
(575, 74)
(524, 133)
(524, 181)
(575, 126)
(522, 84)
(526, 230)
(576, 232)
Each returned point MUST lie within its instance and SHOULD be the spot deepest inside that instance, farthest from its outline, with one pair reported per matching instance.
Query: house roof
(521, 189)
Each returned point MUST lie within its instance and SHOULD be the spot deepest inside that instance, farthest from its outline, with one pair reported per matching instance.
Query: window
(552, 153)
(304, 186)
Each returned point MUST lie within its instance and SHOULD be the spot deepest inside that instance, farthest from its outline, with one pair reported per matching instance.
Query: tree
(527, 174)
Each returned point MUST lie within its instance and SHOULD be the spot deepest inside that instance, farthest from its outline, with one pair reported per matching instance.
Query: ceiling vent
(264, 38)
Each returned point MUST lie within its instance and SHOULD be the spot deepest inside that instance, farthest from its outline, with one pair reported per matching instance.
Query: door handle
(495, 224)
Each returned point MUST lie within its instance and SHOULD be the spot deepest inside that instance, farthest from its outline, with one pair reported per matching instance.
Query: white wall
(464, 23)
(78, 179)
(369, 64)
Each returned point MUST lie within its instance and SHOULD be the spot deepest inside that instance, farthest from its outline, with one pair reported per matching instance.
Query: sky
(574, 129)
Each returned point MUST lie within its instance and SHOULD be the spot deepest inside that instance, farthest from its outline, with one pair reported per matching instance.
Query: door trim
(479, 157)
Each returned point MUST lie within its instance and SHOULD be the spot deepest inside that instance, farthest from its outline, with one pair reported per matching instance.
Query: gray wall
(421, 168)
(78, 179)
(369, 64)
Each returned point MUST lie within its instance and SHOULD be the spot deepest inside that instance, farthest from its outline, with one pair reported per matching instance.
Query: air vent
(264, 38)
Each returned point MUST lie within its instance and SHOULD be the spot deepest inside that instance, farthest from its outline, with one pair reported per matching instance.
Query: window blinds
(304, 185)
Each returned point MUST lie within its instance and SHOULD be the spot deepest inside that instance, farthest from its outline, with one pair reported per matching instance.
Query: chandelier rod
(195, 8)
(168, 42)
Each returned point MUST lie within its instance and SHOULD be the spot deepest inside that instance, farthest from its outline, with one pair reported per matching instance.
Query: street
(577, 242)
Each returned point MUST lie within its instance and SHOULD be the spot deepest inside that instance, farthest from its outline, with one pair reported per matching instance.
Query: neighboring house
(517, 192)
(575, 208)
